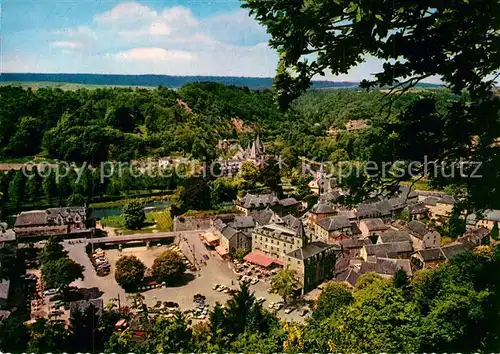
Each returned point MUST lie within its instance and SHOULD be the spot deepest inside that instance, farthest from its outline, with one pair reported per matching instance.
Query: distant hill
(152, 80)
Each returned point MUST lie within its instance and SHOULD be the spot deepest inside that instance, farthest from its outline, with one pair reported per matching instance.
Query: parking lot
(211, 272)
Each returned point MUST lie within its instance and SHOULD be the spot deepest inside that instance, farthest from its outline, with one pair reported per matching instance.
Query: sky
(172, 37)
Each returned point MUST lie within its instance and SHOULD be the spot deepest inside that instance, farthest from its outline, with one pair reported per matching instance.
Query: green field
(155, 221)
(63, 85)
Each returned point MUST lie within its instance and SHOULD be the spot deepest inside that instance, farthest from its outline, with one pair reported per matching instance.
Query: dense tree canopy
(129, 272)
(168, 267)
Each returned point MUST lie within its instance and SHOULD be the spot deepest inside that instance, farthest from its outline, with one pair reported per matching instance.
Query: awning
(279, 262)
(221, 250)
(210, 237)
(260, 259)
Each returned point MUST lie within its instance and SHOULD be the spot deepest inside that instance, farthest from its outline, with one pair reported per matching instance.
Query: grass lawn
(155, 221)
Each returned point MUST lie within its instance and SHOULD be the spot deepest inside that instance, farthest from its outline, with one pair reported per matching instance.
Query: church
(254, 153)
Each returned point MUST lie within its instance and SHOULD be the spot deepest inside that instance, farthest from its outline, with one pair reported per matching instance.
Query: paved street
(215, 271)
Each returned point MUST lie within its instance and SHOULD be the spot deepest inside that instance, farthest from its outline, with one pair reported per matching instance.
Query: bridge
(149, 237)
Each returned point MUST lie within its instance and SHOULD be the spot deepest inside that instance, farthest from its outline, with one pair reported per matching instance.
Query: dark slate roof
(350, 276)
(447, 199)
(454, 249)
(430, 201)
(42, 217)
(33, 217)
(4, 289)
(334, 223)
(355, 228)
(352, 243)
(258, 200)
(263, 217)
(242, 222)
(432, 254)
(7, 235)
(288, 202)
(291, 221)
(474, 236)
(330, 196)
(417, 228)
(387, 266)
(397, 203)
(310, 250)
(418, 208)
(219, 224)
(322, 208)
(66, 211)
(386, 249)
(431, 194)
(490, 215)
(394, 236)
(380, 208)
(375, 224)
(229, 232)
(277, 231)
(82, 305)
(403, 192)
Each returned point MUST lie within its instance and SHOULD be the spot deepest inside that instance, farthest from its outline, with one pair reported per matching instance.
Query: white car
(215, 287)
(271, 305)
(50, 292)
(221, 288)
(289, 310)
(278, 306)
(254, 281)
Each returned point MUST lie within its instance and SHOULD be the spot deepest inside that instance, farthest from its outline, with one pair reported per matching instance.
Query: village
(318, 245)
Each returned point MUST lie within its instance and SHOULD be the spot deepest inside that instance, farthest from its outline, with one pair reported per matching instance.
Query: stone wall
(198, 222)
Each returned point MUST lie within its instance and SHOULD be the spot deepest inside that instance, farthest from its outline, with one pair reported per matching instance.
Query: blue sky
(174, 37)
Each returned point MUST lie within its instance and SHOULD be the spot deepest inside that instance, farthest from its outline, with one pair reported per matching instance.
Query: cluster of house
(63, 221)
(329, 241)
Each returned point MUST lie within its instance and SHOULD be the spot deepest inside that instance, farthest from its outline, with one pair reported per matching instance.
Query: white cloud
(160, 29)
(66, 44)
(128, 11)
(154, 54)
(179, 15)
(83, 32)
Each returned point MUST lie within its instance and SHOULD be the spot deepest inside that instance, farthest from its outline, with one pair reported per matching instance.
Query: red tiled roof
(259, 259)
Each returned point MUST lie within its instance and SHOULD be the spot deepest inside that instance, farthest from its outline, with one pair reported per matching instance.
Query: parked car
(303, 312)
(271, 304)
(260, 300)
(215, 287)
(254, 281)
(289, 310)
(50, 292)
(278, 306)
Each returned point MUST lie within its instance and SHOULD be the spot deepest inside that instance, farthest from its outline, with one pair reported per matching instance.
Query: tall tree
(168, 267)
(129, 272)
(333, 298)
(61, 273)
(284, 283)
(134, 215)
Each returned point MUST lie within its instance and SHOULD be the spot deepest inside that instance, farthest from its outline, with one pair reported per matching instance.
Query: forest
(123, 123)
(86, 127)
